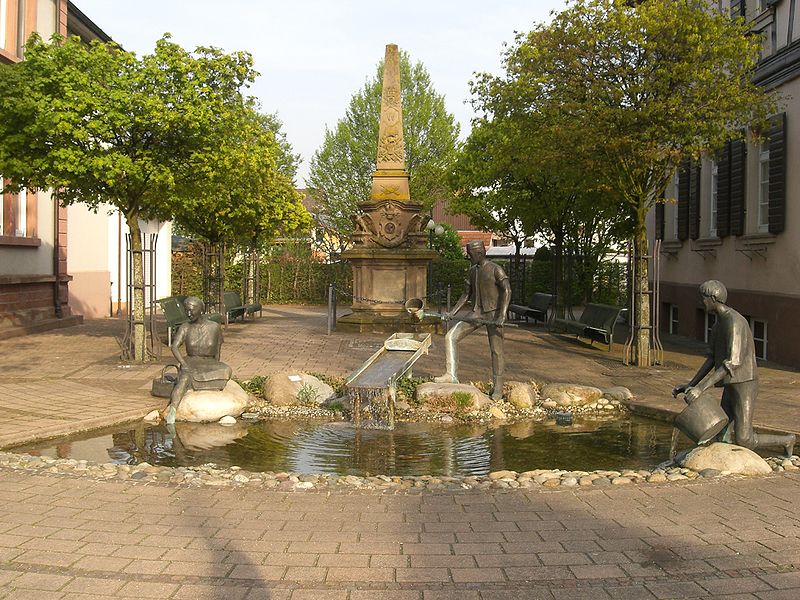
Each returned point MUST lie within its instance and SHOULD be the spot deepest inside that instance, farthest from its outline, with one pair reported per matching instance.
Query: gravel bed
(213, 476)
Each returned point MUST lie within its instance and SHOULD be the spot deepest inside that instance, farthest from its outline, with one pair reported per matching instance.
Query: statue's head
(713, 292)
(194, 308)
(476, 251)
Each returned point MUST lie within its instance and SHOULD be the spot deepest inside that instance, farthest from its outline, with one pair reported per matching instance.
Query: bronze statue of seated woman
(200, 368)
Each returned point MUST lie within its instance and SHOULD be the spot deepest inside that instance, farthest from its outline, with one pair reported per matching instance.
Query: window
(14, 214)
(763, 188)
(711, 320)
(46, 15)
(712, 226)
(759, 329)
(673, 318)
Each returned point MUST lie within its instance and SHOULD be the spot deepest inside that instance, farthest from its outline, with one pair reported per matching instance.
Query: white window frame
(3, 22)
(712, 223)
(763, 340)
(763, 189)
(673, 319)
(22, 213)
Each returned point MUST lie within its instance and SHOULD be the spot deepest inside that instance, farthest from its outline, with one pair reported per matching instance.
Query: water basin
(626, 442)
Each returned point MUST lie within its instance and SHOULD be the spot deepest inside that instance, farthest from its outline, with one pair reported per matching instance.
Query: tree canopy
(341, 169)
(152, 136)
(624, 91)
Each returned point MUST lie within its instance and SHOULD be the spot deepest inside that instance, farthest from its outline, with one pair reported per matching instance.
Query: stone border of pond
(210, 475)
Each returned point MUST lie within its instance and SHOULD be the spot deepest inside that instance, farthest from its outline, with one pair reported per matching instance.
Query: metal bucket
(702, 419)
(415, 307)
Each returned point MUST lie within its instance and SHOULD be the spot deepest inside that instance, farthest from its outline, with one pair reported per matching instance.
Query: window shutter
(660, 218)
(694, 201)
(777, 174)
(723, 224)
(737, 183)
(683, 201)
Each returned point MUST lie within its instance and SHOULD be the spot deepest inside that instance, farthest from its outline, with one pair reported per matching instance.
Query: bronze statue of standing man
(731, 364)
(489, 294)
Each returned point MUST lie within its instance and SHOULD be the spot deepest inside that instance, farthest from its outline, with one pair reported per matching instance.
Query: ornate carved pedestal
(389, 256)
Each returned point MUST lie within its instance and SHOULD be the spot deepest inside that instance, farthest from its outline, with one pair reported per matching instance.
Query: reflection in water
(410, 449)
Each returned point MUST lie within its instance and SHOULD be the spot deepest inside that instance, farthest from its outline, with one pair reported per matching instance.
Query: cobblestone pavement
(68, 538)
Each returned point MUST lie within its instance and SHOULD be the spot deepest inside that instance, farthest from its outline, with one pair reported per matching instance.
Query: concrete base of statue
(206, 406)
(383, 280)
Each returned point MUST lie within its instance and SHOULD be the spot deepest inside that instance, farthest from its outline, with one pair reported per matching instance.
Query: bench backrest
(231, 300)
(541, 301)
(600, 316)
(173, 311)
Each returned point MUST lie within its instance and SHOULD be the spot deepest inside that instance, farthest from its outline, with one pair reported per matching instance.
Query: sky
(312, 55)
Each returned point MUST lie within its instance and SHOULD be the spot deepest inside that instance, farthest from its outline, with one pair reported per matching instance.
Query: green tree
(511, 182)
(448, 243)
(241, 193)
(627, 90)
(99, 125)
(341, 169)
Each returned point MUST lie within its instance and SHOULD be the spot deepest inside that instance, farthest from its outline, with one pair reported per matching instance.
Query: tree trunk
(139, 352)
(641, 291)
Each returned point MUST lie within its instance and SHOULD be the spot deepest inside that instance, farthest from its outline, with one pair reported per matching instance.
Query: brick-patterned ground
(67, 538)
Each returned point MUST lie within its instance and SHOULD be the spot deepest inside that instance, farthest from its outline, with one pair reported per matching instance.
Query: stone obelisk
(389, 256)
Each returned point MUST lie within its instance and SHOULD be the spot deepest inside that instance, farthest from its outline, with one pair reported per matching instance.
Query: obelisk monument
(389, 255)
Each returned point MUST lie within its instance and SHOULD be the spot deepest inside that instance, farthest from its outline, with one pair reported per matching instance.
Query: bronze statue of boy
(201, 368)
(731, 364)
(488, 291)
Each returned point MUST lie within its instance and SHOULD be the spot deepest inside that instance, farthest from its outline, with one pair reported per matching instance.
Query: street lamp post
(433, 229)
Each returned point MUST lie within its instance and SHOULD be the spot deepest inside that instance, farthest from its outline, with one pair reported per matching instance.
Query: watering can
(702, 420)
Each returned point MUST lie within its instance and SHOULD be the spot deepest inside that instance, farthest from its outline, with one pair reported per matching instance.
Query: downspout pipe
(56, 259)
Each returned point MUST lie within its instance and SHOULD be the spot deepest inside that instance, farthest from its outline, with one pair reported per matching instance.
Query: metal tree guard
(150, 342)
(656, 349)
(251, 284)
(214, 278)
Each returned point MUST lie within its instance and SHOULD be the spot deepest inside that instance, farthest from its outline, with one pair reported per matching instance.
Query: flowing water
(627, 442)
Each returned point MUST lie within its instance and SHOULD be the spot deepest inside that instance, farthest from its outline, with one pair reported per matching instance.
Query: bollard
(330, 307)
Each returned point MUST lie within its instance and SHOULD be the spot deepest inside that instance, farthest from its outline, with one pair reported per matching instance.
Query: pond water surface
(626, 442)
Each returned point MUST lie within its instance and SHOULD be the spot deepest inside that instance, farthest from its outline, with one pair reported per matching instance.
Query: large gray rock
(206, 406)
(521, 395)
(292, 389)
(570, 394)
(433, 390)
(726, 457)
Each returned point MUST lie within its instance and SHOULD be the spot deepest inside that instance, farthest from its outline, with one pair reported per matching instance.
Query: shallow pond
(622, 442)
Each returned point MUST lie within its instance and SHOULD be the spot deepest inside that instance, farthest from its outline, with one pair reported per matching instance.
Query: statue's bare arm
(177, 342)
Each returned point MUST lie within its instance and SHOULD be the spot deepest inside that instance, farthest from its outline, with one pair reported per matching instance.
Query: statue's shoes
(446, 378)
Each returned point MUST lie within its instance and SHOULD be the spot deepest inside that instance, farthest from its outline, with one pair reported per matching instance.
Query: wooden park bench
(595, 323)
(235, 309)
(537, 308)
